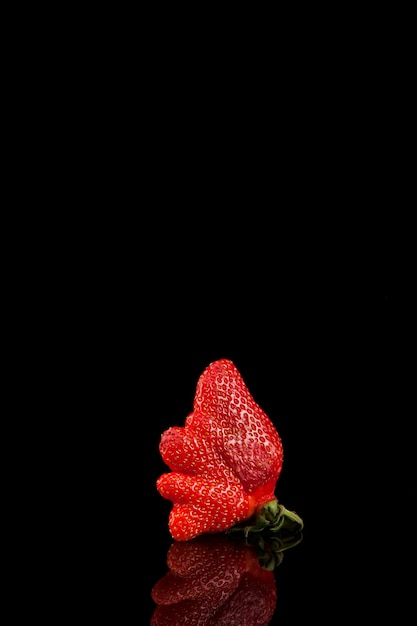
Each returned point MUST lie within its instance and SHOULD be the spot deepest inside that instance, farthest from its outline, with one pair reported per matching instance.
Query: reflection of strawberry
(225, 462)
(214, 581)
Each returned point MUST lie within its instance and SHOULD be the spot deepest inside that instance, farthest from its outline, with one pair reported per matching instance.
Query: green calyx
(273, 530)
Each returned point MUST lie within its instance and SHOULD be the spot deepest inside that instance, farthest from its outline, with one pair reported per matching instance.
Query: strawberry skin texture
(225, 461)
(213, 581)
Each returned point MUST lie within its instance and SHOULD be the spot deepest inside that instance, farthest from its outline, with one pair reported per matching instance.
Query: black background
(246, 210)
(216, 196)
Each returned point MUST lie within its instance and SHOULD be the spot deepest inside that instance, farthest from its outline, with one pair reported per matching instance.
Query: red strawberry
(224, 462)
(214, 580)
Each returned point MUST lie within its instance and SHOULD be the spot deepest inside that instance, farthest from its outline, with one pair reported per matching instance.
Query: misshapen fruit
(225, 461)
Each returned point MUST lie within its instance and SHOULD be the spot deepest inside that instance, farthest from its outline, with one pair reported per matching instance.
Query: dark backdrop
(238, 209)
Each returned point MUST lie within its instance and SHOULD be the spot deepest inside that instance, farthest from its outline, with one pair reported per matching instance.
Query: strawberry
(225, 461)
(214, 580)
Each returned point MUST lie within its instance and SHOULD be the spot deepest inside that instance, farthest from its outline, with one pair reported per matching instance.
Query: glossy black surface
(324, 364)
(327, 381)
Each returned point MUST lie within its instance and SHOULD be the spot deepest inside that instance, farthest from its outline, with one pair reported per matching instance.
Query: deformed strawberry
(225, 461)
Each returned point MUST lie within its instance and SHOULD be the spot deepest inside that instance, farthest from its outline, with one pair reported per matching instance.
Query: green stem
(273, 519)
(273, 530)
